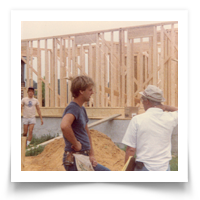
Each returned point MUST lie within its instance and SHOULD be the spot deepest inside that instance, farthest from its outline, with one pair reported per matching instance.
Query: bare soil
(106, 153)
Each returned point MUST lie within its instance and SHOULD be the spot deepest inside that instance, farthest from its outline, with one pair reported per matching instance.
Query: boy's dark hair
(31, 88)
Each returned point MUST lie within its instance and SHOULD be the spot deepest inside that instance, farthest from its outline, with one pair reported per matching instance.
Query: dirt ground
(106, 153)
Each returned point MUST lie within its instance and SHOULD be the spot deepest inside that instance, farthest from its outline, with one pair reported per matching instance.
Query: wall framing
(122, 62)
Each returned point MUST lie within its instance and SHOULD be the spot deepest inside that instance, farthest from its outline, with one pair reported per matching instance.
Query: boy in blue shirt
(74, 125)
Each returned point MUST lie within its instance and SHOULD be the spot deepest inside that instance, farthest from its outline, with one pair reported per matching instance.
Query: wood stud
(120, 67)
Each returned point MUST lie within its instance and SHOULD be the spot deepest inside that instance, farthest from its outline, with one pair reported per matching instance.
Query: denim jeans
(145, 169)
(74, 168)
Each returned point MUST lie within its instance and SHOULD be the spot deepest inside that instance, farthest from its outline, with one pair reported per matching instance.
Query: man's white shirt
(150, 133)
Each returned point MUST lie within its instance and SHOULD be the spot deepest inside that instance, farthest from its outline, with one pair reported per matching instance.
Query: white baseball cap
(153, 93)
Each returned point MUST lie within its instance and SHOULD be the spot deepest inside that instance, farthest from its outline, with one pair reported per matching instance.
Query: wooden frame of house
(122, 62)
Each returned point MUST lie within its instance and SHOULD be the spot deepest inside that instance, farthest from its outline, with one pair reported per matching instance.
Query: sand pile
(106, 153)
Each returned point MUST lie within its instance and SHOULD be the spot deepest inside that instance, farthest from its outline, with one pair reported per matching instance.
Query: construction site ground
(106, 153)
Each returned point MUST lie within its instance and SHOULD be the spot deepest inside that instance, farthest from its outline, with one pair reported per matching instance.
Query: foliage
(173, 161)
(33, 150)
(43, 138)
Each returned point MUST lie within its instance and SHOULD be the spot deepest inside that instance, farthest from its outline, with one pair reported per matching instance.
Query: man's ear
(148, 102)
(81, 91)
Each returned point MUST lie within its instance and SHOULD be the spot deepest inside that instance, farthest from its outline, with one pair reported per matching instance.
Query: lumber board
(55, 73)
(120, 67)
(155, 53)
(90, 68)
(108, 90)
(109, 45)
(92, 112)
(118, 70)
(108, 62)
(165, 70)
(169, 74)
(112, 77)
(150, 56)
(103, 120)
(23, 150)
(97, 69)
(44, 143)
(27, 66)
(141, 66)
(46, 76)
(31, 58)
(102, 72)
(89, 126)
(172, 68)
(73, 59)
(85, 39)
(146, 69)
(39, 84)
(133, 73)
(63, 88)
(64, 73)
(69, 71)
(123, 70)
(169, 37)
(162, 59)
(51, 80)
(129, 165)
(139, 32)
(129, 72)
(39, 77)
(173, 59)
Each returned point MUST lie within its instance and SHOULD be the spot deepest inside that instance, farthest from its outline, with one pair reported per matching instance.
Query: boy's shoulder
(72, 108)
(35, 99)
(24, 98)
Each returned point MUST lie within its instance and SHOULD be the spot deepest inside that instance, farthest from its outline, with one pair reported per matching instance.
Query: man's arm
(21, 108)
(39, 113)
(66, 127)
(167, 108)
(22, 105)
(130, 151)
(170, 108)
(92, 158)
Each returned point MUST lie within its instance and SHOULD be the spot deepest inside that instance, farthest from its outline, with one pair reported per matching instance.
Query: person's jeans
(145, 169)
(74, 168)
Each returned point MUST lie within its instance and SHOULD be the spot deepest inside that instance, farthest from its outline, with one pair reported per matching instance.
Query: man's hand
(93, 161)
(77, 147)
(130, 151)
(39, 113)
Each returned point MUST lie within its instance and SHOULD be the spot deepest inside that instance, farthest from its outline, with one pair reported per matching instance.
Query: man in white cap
(148, 135)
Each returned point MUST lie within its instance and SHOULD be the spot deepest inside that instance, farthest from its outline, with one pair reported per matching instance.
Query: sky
(36, 29)
(39, 23)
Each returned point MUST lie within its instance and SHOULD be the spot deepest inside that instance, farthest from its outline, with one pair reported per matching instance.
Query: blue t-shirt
(78, 126)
